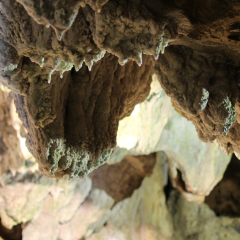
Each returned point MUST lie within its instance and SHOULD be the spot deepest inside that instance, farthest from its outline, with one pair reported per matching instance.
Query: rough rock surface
(204, 89)
(199, 222)
(11, 155)
(41, 42)
(163, 129)
(72, 122)
(142, 216)
(72, 116)
(29, 196)
(56, 209)
(53, 209)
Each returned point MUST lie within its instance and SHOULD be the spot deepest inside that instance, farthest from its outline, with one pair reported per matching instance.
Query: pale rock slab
(29, 197)
(198, 222)
(154, 126)
(142, 216)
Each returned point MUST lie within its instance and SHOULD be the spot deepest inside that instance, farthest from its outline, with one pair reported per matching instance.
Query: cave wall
(79, 67)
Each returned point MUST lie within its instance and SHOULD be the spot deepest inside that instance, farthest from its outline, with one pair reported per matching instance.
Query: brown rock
(203, 88)
(11, 234)
(72, 122)
(42, 41)
(119, 180)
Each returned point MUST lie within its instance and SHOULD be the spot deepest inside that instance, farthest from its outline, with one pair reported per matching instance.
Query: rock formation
(72, 115)
(189, 159)
(77, 134)
(224, 198)
(38, 208)
(80, 73)
(11, 154)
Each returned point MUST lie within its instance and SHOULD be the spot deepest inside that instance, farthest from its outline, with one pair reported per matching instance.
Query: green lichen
(59, 152)
(231, 115)
(204, 99)
(10, 67)
(78, 161)
(57, 63)
(64, 67)
(42, 62)
(163, 42)
(91, 59)
(158, 94)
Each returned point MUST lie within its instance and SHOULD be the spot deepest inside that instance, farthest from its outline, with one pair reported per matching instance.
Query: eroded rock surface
(27, 196)
(72, 122)
(62, 209)
(198, 221)
(41, 42)
(204, 89)
(75, 209)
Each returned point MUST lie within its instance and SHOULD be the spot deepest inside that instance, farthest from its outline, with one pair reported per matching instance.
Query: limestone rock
(96, 206)
(11, 149)
(121, 179)
(41, 42)
(78, 134)
(56, 209)
(68, 209)
(163, 129)
(142, 216)
(205, 92)
(194, 221)
(26, 197)
(128, 30)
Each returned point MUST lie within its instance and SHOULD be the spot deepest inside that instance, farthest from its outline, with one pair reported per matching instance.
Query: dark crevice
(234, 36)
(11, 234)
(180, 181)
(3, 147)
(168, 188)
(224, 199)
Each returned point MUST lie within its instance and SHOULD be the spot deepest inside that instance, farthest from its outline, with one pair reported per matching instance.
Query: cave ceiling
(78, 67)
